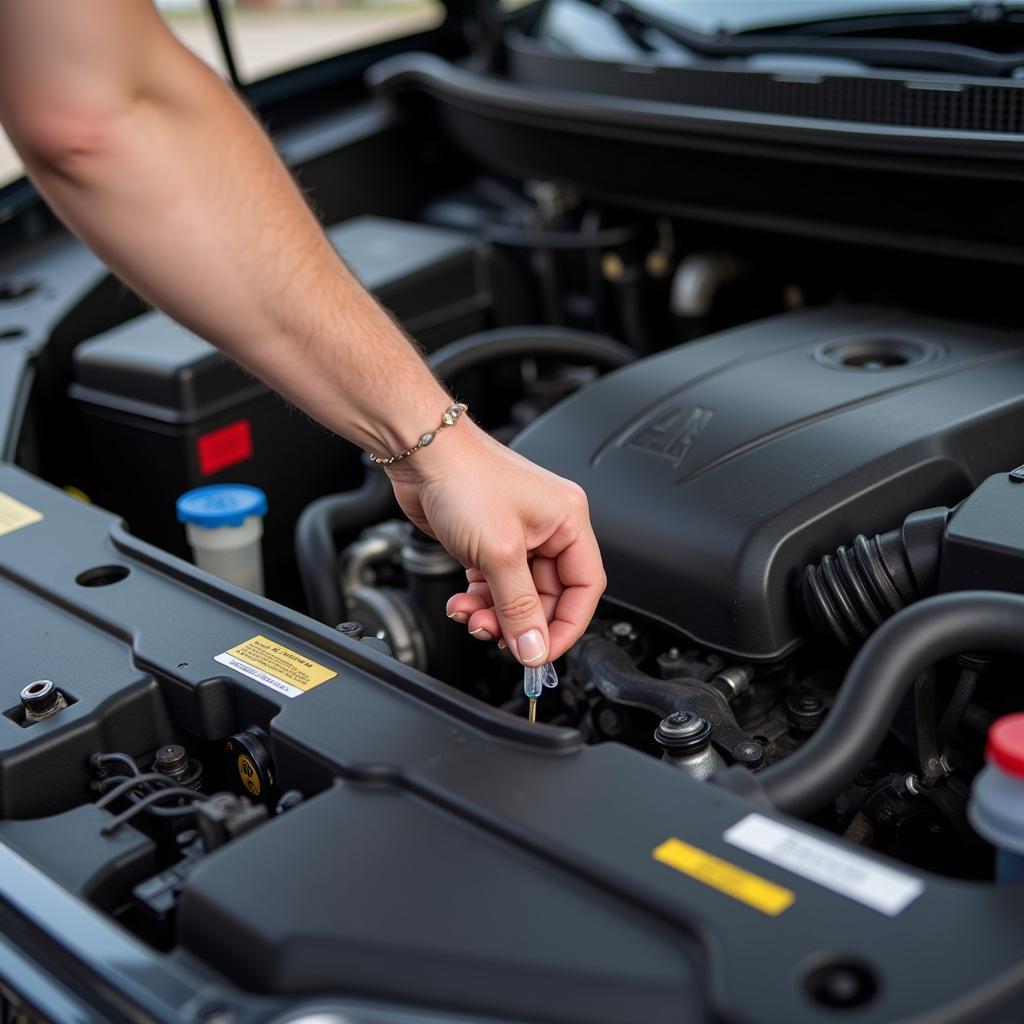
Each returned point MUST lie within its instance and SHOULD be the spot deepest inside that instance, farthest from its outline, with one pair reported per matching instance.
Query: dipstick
(534, 681)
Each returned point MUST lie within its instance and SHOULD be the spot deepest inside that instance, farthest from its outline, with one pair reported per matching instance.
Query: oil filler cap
(249, 766)
(1005, 747)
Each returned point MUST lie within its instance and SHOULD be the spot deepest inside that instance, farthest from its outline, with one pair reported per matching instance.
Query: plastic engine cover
(718, 469)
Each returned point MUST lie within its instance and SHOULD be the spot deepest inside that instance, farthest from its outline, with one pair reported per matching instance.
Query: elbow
(60, 142)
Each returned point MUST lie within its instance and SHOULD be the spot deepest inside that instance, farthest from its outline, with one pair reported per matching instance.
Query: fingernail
(531, 647)
(481, 634)
(458, 617)
(501, 645)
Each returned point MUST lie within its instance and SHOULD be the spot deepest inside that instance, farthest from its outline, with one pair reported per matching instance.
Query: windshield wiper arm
(915, 54)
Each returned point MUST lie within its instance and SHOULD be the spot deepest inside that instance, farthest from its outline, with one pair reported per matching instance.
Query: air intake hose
(316, 551)
(849, 594)
(879, 678)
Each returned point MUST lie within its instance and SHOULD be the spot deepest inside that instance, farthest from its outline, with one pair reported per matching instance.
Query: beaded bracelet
(449, 419)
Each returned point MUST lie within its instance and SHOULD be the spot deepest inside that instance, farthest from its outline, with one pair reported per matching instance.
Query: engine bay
(749, 795)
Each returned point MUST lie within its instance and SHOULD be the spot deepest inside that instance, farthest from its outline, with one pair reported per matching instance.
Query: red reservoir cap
(1005, 747)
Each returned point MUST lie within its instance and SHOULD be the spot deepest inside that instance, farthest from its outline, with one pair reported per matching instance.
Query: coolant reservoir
(224, 526)
(996, 807)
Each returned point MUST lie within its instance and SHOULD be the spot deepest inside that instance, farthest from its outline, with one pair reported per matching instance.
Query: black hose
(123, 788)
(146, 802)
(926, 726)
(316, 551)
(610, 669)
(848, 594)
(972, 667)
(487, 347)
(886, 667)
(100, 760)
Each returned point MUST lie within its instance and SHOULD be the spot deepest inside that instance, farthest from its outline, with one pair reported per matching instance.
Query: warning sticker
(849, 874)
(756, 892)
(14, 515)
(276, 666)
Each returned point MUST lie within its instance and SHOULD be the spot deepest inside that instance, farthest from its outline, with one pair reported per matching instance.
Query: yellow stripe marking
(727, 878)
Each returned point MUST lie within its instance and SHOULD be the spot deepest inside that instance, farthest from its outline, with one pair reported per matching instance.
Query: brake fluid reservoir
(996, 807)
(224, 526)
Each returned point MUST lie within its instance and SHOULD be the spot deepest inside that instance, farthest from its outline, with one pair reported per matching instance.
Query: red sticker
(225, 447)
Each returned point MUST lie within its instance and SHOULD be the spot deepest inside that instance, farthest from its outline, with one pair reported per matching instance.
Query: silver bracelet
(449, 419)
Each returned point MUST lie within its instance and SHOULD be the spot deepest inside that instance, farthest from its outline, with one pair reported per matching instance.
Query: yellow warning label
(14, 515)
(734, 881)
(248, 774)
(276, 666)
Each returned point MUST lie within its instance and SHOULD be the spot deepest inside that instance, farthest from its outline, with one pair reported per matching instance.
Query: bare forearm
(179, 190)
(153, 162)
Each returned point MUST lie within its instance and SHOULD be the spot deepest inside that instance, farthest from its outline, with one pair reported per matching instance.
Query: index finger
(581, 572)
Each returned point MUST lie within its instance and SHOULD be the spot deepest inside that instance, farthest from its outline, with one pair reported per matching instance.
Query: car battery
(161, 411)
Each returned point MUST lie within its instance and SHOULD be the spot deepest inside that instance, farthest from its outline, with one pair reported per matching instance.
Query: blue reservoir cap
(221, 505)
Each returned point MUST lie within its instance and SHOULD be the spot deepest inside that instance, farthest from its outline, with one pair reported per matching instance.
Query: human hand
(523, 534)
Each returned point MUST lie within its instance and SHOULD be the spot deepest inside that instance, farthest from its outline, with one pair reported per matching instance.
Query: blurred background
(271, 36)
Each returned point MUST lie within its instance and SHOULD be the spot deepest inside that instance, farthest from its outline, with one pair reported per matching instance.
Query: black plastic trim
(681, 124)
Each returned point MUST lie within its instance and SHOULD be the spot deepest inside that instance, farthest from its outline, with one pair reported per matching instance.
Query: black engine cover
(718, 469)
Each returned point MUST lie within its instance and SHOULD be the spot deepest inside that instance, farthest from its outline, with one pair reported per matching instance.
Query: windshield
(710, 16)
(269, 36)
(983, 38)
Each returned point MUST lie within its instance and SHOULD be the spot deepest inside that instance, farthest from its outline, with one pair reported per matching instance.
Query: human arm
(154, 162)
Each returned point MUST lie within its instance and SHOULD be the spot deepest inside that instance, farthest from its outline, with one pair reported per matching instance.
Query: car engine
(750, 793)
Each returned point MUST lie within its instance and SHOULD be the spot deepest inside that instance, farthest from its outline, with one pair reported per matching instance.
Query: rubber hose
(617, 678)
(492, 346)
(316, 551)
(848, 594)
(611, 670)
(894, 656)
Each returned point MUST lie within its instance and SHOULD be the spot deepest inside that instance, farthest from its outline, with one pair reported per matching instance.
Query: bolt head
(171, 758)
(682, 723)
(683, 732)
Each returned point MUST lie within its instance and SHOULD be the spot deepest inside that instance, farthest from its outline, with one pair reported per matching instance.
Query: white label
(842, 871)
(259, 675)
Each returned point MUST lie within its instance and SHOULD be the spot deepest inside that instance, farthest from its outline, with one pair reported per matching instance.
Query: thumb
(518, 607)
